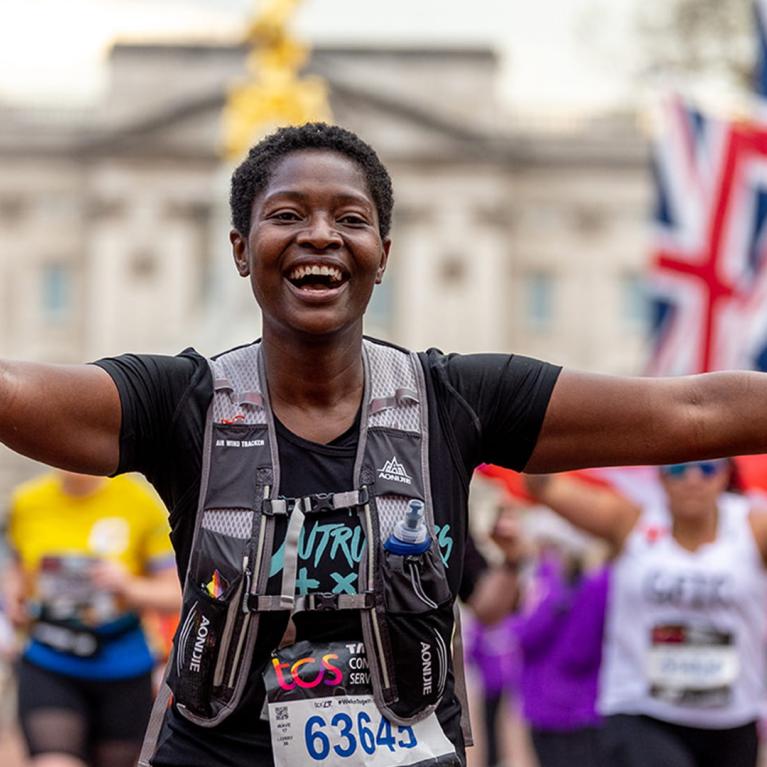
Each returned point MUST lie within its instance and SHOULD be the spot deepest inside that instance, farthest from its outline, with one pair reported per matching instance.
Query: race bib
(692, 665)
(65, 592)
(321, 709)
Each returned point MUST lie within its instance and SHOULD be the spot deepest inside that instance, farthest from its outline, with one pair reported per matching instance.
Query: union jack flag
(708, 280)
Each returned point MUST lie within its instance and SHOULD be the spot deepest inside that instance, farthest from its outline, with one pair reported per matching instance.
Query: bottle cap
(410, 535)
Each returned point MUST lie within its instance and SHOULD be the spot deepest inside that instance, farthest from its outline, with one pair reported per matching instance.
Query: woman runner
(683, 677)
(291, 518)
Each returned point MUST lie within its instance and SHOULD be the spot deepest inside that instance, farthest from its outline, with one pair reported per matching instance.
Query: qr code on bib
(281, 713)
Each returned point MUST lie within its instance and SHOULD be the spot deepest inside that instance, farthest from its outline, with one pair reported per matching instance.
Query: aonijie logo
(426, 667)
(394, 471)
(199, 645)
(290, 676)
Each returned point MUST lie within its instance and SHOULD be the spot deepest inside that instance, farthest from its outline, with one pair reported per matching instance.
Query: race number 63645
(353, 734)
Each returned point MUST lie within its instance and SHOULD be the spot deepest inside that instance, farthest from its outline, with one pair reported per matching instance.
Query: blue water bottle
(410, 536)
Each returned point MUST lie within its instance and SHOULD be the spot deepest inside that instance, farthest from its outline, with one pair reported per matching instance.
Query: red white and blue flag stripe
(708, 281)
(708, 278)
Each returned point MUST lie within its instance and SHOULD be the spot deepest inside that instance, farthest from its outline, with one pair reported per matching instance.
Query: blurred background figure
(491, 648)
(88, 556)
(683, 682)
(8, 652)
(545, 650)
(493, 653)
(559, 631)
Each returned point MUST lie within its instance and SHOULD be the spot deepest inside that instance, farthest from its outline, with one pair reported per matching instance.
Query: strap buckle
(272, 507)
(319, 502)
(324, 600)
(368, 600)
(316, 503)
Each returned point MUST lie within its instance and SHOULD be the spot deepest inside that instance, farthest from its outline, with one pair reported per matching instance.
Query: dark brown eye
(285, 215)
(353, 219)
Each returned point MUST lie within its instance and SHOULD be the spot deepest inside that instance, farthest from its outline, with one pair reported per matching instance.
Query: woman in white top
(682, 677)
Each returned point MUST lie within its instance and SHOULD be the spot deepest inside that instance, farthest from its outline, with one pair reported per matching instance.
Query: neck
(80, 486)
(311, 371)
(692, 533)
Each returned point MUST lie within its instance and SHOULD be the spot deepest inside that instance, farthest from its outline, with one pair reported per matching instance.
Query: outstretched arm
(598, 420)
(595, 510)
(63, 415)
(497, 592)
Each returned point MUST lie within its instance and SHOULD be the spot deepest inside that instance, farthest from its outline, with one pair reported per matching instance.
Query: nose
(320, 233)
(696, 478)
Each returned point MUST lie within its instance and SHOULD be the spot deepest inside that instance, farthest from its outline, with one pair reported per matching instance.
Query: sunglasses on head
(706, 468)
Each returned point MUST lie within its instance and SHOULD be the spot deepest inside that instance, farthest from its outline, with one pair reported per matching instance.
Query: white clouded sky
(562, 54)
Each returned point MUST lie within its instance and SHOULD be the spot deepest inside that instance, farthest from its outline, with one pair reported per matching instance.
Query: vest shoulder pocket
(201, 640)
(239, 454)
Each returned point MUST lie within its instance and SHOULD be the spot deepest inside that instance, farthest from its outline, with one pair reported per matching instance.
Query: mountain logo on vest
(394, 471)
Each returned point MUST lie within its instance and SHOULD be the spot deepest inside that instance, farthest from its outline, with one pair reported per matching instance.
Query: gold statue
(276, 93)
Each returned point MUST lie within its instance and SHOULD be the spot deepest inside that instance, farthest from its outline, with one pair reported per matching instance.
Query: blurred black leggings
(493, 703)
(101, 723)
(571, 748)
(640, 741)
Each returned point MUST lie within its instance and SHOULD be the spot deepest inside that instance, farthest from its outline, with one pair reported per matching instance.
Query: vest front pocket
(414, 584)
(208, 614)
(419, 620)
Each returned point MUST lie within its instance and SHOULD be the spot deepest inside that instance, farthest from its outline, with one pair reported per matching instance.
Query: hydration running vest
(405, 604)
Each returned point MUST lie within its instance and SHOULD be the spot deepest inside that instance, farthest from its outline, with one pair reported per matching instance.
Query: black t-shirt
(483, 408)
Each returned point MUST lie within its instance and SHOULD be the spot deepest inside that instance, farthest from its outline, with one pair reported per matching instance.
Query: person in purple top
(489, 642)
(560, 640)
(561, 646)
(495, 656)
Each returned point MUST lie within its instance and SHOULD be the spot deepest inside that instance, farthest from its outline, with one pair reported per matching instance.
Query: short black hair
(253, 174)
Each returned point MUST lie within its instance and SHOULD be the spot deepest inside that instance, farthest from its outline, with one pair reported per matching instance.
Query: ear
(386, 247)
(240, 252)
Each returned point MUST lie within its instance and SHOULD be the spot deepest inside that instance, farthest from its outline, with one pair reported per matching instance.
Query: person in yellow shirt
(89, 555)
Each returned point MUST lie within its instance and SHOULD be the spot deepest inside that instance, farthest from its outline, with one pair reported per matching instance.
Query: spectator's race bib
(321, 710)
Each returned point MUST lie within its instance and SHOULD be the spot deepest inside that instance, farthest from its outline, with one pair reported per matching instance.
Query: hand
(111, 576)
(536, 484)
(16, 609)
(507, 535)
(14, 595)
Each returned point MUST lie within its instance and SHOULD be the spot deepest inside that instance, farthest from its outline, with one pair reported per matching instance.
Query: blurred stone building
(508, 235)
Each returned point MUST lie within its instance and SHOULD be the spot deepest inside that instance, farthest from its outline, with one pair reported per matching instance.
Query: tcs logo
(300, 673)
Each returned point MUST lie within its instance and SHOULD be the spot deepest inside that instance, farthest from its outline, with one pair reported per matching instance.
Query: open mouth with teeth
(316, 277)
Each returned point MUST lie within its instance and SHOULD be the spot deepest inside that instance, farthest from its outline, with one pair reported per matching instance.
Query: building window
(12, 210)
(634, 301)
(539, 300)
(452, 270)
(143, 265)
(56, 291)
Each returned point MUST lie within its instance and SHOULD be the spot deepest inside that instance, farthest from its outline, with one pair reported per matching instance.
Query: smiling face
(314, 251)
